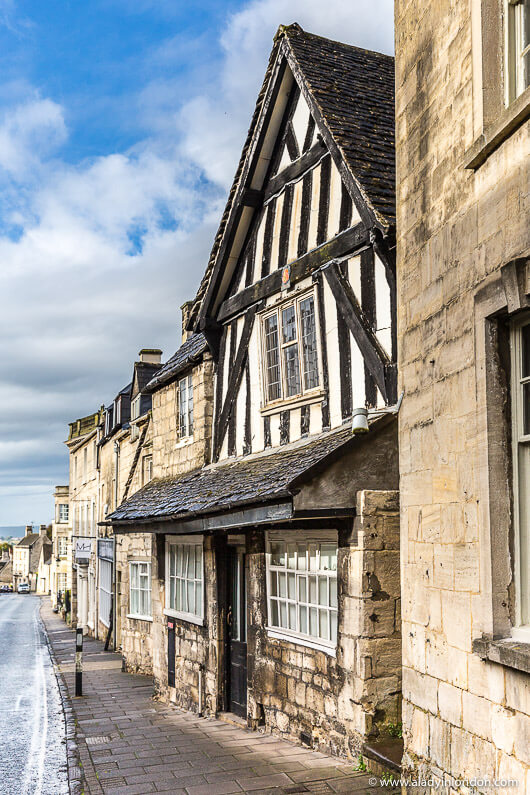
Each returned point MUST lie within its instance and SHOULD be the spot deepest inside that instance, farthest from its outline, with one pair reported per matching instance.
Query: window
(517, 47)
(290, 350)
(302, 588)
(140, 589)
(62, 547)
(147, 469)
(185, 412)
(135, 413)
(63, 512)
(62, 581)
(105, 590)
(85, 464)
(521, 458)
(184, 578)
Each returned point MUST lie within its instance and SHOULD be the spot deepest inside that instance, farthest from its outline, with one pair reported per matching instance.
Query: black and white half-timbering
(277, 571)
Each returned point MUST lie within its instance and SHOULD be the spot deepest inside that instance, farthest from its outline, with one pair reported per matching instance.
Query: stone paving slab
(128, 743)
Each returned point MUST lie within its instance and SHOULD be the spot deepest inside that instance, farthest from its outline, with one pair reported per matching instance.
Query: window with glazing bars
(302, 589)
(290, 350)
(518, 47)
(140, 589)
(185, 401)
(63, 512)
(185, 579)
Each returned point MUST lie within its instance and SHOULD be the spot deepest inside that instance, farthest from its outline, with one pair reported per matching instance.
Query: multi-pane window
(135, 413)
(185, 407)
(518, 46)
(62, 547)
(302, 588)
(521, 457)
(140, 589)
(105, 590)
(63, 513)
(184, 578)
(62, 581)
(290, 350)
(147, 467)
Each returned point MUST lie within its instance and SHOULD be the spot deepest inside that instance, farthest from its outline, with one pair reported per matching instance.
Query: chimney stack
(42, 530)
(150, 355)
(186, 309)
(29, 529)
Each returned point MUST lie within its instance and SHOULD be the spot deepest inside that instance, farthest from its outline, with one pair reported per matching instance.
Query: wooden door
(171, 653)
(237, 633)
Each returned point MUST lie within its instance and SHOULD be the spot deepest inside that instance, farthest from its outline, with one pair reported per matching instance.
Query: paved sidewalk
(128, 743)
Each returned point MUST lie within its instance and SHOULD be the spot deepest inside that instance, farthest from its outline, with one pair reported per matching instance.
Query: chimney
(186, 309)
(29, 529)
(150, 355)
(42, 530)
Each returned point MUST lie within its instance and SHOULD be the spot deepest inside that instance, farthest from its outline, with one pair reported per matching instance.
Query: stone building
(61, 559)
(463, 182)
(277, 563)
(30, 555)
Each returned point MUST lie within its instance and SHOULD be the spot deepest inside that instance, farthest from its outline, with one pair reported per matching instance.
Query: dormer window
(135, 413)
(185, 407)
(290, 360)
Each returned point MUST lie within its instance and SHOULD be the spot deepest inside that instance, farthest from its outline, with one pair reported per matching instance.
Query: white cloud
(98, 255)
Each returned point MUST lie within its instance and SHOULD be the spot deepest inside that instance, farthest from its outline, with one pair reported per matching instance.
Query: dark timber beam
(234, 379)
(373, 352)
(349, 241)
(252, 198)
(295, 170)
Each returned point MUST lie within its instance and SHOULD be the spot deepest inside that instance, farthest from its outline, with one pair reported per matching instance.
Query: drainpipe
(200, 691)
(114, 578)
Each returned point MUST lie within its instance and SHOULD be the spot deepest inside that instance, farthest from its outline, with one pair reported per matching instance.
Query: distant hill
(12, 531)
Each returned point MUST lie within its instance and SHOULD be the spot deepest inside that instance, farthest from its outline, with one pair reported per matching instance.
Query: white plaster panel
(300, 121)
(354, 276)
(241, 403)
(313, 215)
(358, 386)
(382, 304)
(315, 418)
(294, 424)
(276, 232)
(275, 430)
(259, 249)
(295, 221)
(285, 160)
(335, 195)
(333, 357)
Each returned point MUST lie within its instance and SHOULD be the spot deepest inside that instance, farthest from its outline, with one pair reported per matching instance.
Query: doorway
(237, 632)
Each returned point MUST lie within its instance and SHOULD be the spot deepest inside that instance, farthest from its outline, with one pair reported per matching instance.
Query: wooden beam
(373, 352)
(234, 379)
(252, 198)
(349, 241)
(295, 170)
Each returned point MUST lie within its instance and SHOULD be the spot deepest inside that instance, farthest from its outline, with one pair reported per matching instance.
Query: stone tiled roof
(354, 90)
(187, 354)
(256, 479)
(6, 572)
(28, 540)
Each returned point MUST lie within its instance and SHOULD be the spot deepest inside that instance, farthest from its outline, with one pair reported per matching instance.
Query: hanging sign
(82, 549)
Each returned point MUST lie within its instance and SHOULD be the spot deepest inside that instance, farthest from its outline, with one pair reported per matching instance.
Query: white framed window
(62, 513)
(62, 581)
(290, 350)
(185, 407)
(85, 464)
(147, 469)
(135, 413)
(140, 589)
(302, 587)
(62, 546)
(520, 338)
(185, 578)
(517, 14)
(105, 590)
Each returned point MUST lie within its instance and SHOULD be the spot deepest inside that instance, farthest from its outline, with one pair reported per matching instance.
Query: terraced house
(274, 568)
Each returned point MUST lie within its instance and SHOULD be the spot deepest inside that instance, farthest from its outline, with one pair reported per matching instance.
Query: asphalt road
(32, 731)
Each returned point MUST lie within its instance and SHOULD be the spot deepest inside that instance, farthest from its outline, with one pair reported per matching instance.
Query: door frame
(235, 545)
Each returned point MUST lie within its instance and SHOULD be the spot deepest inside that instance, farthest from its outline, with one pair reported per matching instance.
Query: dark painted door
(171, 653)
(237, 634)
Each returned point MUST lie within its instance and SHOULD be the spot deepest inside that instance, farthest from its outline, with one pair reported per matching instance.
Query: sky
(121, 124)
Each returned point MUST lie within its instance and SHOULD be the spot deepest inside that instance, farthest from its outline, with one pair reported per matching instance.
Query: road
(32, 731)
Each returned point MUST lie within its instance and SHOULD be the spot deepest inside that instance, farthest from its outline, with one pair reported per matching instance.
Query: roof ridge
(296, 29)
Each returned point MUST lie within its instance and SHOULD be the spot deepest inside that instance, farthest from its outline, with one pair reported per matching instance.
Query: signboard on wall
(82, 549)
(106, 548)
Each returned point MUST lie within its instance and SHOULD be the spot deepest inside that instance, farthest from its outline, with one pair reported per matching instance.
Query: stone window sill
(508, 652)
(140, 618)
(509, 120)
(293, 403)
(277, 634)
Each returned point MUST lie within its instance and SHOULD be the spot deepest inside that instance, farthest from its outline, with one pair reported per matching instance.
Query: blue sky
(121, 125)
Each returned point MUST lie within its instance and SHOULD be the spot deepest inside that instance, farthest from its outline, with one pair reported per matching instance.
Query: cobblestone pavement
(128, 743)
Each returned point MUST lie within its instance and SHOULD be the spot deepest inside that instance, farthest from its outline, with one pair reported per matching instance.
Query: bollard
(79, 661)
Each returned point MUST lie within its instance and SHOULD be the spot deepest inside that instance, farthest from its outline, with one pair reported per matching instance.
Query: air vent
(306, 738)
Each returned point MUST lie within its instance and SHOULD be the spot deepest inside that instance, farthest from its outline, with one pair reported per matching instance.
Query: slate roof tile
(254, 479)
(192, 349)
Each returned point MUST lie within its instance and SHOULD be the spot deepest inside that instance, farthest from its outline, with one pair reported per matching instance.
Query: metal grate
(98, 740)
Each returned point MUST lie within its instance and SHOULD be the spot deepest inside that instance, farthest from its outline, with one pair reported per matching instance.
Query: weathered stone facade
(463, 220)
(336, 702)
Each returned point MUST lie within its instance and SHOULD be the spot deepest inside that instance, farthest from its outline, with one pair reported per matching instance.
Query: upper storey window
(185, 401)
(290, 350)
(518, 47)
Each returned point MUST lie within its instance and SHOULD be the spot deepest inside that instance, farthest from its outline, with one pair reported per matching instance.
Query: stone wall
(338, 701)
(197, 648)
(136, 636)
(457, 227)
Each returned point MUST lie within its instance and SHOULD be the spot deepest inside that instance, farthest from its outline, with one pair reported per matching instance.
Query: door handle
(229, 617)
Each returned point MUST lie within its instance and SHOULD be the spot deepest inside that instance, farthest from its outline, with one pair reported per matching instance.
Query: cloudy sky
(121, 123)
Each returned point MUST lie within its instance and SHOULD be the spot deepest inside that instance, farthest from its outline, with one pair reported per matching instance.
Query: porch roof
(265, 477)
